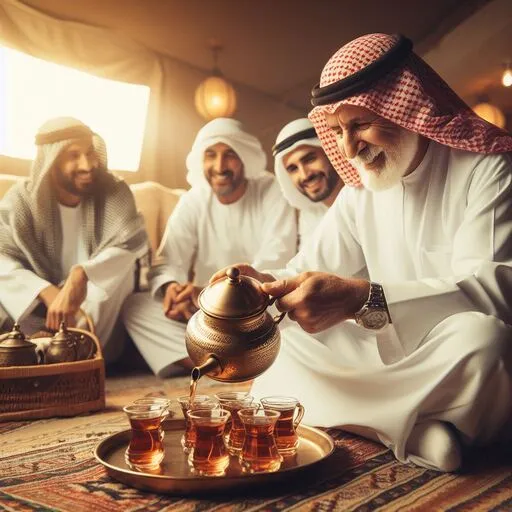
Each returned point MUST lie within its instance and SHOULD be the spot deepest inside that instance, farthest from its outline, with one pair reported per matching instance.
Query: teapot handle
(279, 317)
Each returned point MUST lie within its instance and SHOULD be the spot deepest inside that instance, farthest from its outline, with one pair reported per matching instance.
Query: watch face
(374, 319)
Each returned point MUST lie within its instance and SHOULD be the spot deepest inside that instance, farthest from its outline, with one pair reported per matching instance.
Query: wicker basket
(60, 389)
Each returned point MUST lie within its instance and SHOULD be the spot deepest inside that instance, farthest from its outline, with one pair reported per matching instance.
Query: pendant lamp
(215, 96)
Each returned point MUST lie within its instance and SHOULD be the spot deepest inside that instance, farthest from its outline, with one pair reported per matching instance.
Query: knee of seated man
(133, 303)
(484, 338)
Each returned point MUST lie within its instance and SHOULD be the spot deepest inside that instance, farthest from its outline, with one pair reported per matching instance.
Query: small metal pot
(232, 337)
(63, 347)
(16, 350)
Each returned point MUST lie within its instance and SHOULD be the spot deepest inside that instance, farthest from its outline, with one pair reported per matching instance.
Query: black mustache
(223, 173)
(311, 178)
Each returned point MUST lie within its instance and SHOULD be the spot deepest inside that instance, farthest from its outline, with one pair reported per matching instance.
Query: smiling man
(233, 212)
(419, 357)
(69, 236)
(306, 177)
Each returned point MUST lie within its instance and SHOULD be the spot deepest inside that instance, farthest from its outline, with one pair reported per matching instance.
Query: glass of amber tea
(208, 456)
(233, 401)
(259, 452)
(155, 400)
(292, 413)
(146, 449)
(200, 402)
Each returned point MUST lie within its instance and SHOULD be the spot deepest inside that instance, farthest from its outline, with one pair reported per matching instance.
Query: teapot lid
(15, 339)
(235, 296)
(63, 335)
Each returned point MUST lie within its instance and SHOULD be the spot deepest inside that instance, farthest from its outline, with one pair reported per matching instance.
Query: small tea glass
(208, 456)
(259, 452)
(292, 412)
(146, 449)
(157, 401)
(233, 401)
(200, 402)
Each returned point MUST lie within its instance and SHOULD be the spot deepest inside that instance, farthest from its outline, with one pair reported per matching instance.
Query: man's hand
(68, 300)
(189, 292)
(182, 312)
(171, 292)
(180, 301)
(246, 270)
(318, 300)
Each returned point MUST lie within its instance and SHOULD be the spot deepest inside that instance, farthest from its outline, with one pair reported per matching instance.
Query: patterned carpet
(49, 465)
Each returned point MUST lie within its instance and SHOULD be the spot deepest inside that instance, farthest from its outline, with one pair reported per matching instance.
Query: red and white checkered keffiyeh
(413, 96)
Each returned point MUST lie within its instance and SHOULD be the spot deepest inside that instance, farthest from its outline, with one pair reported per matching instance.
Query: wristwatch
(374, 314)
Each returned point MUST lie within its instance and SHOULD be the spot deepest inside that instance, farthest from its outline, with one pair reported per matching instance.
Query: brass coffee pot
(232, 337)
(16, 350)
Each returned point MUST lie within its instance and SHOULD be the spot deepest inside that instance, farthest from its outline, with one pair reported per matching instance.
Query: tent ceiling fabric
(275, 47)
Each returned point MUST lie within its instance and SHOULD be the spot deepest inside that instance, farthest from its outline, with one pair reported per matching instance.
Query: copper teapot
(232, 337)
(16, 350)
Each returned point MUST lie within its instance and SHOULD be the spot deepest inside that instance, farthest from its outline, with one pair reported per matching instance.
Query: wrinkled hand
(68, 300)
(246, 270)
(318, 300)
(180, 301)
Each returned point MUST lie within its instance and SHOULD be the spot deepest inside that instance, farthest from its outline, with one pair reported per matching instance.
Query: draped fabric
(109, 54)
(412, 95)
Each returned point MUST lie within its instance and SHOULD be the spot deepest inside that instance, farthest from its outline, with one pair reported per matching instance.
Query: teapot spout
(210, 366)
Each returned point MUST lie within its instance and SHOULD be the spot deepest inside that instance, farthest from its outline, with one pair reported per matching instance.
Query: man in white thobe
(426, 210)
(69, 236)
(234, 212)
(308, 180)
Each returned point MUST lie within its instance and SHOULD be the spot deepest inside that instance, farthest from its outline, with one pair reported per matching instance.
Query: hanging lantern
(506, 78)
(491, 113)
(215, 96)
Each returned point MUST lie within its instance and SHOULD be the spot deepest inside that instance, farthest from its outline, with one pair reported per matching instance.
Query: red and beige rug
(48, 465)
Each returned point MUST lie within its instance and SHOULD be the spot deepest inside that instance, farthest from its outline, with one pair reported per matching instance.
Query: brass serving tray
(175, 476)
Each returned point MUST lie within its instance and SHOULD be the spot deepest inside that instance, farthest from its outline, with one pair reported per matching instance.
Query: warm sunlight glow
(33, 91)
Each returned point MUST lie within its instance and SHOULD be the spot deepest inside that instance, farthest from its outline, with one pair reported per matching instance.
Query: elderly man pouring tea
(418, 357)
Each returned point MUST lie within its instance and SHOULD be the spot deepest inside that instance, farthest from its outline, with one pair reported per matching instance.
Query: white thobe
(440, 243)
(110, 279)
(308, 222)
(202, 236)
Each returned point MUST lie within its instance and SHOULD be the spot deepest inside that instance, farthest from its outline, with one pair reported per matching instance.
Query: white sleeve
(481, 263)
(278, 242)
(108, 268)
(19, 288)
(179, 244)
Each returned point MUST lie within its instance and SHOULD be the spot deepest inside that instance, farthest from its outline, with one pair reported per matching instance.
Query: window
(33, 91)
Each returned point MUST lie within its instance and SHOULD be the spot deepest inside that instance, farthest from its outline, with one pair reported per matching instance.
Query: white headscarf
(290, 191)
(230, 132)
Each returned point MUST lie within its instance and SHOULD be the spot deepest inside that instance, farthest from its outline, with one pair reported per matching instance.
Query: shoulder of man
(19, 191)
(264, 182)
(192, 202)
(480, 162)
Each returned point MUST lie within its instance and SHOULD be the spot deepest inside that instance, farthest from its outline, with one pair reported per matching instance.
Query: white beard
(397, 162)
